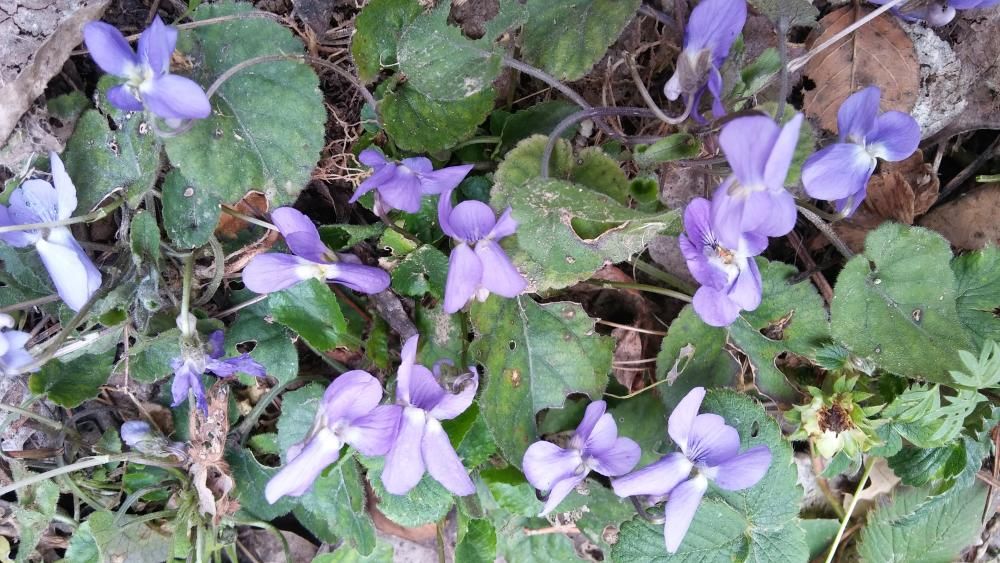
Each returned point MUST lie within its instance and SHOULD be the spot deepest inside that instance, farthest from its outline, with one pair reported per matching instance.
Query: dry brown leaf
(883, 482)
(969, 222)
(210, 474)
(878, 53)
(253, 204)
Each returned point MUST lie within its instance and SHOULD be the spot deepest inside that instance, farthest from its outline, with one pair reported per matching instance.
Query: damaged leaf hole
(246, 346)
(776, 329)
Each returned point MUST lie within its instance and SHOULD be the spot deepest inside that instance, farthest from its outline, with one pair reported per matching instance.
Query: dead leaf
(882, 482)
(253, 204)
(969, 222)
(210, 474)
(878, 53)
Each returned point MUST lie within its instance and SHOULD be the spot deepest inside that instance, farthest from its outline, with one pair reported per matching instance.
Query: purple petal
(656, 479)
(770, 213)
(121, 98)
(776, 168)
(545, 464)
(714, 24)
(375, 433)
(444, 213)
(267, 273)
(453, 404)
(216, 345)
(185, 379)
(351, 395)
(174, 97)
(506, 226)
(404, 464)
(65, 190)
(372, 158)
(108, 48)
(36, 201)
(503, 278)
(603, 436)
(702, 270)
(743, 470)
(443, 180)
(471, 220)
(298, 475)
(714, 307)
(73, 274)
(465, 274)
(239, 364)
(729, 217)
(300, 234)
(383, 173)
(135, 431)
(595, 411)
(404, 375)
(360, 278)
(837, 171)
(747, 143)
(418, 164)
(16, 357)
(746, 292)
(619, 459)
(856, 116)
(715, 87)
(17, 239)
(712, 441)
(401, 190)
(697, 217)
(681, 420)
(561, 490)
(753, 245)
(895, 138)
(680, 510)
(156, 44)
(425, 391)
(442, 461)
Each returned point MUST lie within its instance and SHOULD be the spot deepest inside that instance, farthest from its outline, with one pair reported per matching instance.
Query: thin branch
(826, 230)
(632, 328)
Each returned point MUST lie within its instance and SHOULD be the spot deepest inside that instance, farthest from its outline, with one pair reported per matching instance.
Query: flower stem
(185, 322)
(639, 392)
(663, 276)
(643, 287)
(243, 216)
(84, 463)
(243, 430)
(95, 215)
(33, 416)
(29, 303)
(630, 63)
(781, 27)
(827, 230)
(850, 510)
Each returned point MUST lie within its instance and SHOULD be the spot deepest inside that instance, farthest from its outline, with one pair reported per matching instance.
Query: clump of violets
(348, 414)
(729, 277)
(310, 258)
(421, 444)
(13, 357)
(595, 446)
(709, 452)
(478, 265)
(36, 201)
(194, 362)
(840, 172)
(753, 199)
(148, 82)
(937, 12)
(401, 185)
(710, 32)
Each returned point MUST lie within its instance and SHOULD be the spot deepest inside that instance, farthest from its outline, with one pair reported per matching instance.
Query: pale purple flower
(194, 362)
(709, 452)
(710, 32)
(595, 446)
(348, 414)
(148, 81)
(753, 199)
(401, 185)
(937, 12)
(421, 444)
(477, 266)
(13, 356)
(36, 201)
(840, 172)
(275, 271)
(729, 277)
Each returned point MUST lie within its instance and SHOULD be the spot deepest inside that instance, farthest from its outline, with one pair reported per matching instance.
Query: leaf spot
(188, 191)
(917, 314)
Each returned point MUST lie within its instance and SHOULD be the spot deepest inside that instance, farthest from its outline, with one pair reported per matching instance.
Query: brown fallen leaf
(878, 53)
(253, 204)
(969, 222)
(899, 191)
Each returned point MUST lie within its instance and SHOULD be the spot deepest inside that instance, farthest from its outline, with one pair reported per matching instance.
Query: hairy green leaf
(377, 31)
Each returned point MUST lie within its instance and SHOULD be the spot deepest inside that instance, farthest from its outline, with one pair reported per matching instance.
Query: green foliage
(977, 276)
(426, 503)
(377, 31)
(245, 145)
(791, 12)
(477, 543)
(338, 499)
(34, 509)
(417, 123)
(756, 524)
(886, 310)
(149, 358)
(271, 345)
(470, 436)
(422, 271)
(539, 119)
(672, 147)
(757, 74)
(980, 372)
(144, 239)
(310, 309)
(71, 381)
(346, 554)
(790, 318)
(251, 477)
(101, 160)
(534, 355)
(936, 535)
(105, 537)
(919, 417)
(190, 213)
(698, 353)
(643, 419)
(568, 37)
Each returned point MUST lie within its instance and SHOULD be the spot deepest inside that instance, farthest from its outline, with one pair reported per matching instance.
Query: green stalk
(850, 510)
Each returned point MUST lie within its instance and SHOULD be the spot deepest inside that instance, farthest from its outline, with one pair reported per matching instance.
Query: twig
(826, 230)
(634, 393)
(390, 308)
(82, 464)
(817, 276)
(29, 303)
(243, 430)
(665, 277)
(235, 308)
(971, 169)
(244, 217)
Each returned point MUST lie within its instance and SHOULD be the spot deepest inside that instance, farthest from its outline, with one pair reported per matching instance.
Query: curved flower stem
(644, 514)
(243, 430)
(572, 119)
(186, 329)
(827, 230)
(850, 510)
(235, 308)
(95, 215)
(219, 257)
(630, 63)
(639, 392)
(663, 276)
(823, 484)
(643, 287)
(84, 463)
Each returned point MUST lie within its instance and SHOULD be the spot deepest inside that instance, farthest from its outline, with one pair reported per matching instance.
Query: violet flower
(729, 278)
(936, 12)
(13, 356)
(148, 81)
(194, 362)
(36, 201)
(402, 185)
(311, 258)
(348, 414)
(595, 446)
(710, 32)
(753, 199)
(709, 452)
(840, 172)
(477, 265)
(421, 444)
